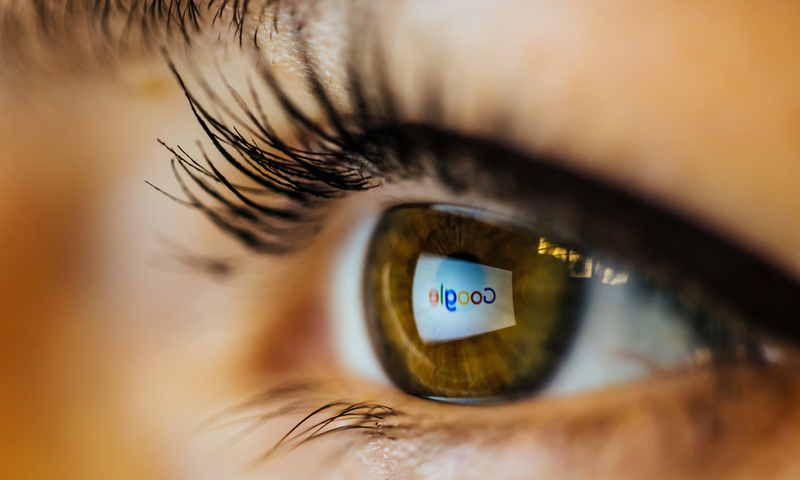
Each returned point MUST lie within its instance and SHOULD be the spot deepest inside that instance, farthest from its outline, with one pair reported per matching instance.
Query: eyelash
(353, 152)
(337, 416)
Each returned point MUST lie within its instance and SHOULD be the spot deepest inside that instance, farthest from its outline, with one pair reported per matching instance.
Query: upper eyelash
(348, 153)
(289, 183)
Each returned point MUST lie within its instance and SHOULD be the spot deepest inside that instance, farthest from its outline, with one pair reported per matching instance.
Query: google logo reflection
(448, 298)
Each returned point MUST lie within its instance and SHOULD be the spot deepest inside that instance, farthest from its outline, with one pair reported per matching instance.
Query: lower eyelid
(346, 301)
(682, 423)
(697, 424)
(686, 425)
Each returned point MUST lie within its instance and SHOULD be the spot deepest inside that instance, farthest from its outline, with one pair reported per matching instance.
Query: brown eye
(463, 307)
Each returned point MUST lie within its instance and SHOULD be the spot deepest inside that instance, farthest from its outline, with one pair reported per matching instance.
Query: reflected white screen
(454, 299)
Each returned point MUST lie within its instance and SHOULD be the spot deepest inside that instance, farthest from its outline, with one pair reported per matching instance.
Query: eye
(466, 306)
(463, 307)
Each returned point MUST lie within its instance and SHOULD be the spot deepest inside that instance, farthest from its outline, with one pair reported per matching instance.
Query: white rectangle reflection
(455, 298)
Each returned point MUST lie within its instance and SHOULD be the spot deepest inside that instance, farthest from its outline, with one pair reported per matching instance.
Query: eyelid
(678, 254)
(350, 321)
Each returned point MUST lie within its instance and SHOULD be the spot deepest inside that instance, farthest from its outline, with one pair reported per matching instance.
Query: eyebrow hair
(77, 34)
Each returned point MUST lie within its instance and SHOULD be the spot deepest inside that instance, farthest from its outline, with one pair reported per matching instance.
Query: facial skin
(115, 356)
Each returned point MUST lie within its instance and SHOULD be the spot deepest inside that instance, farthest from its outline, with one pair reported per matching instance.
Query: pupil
(464, 256)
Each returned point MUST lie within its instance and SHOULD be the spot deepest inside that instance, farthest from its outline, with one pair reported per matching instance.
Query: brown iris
(508, 362)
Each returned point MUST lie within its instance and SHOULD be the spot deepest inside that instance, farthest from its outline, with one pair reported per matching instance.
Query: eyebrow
(75, 33)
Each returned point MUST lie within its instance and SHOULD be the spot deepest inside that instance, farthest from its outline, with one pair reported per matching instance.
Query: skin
(113, 354)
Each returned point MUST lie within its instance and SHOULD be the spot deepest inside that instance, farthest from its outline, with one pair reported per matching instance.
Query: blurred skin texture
(115, 352)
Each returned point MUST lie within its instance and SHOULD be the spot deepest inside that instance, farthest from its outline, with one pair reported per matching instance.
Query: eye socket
(463, 306)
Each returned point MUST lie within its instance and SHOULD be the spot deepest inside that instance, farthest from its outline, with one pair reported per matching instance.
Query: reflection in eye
(463, 306)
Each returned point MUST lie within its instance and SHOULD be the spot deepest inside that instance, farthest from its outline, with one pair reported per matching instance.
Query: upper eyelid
(606, 218)
(673, 250)
(621, 223)
(706, 253)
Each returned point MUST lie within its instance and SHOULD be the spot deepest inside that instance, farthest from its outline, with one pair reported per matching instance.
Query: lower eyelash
(707, 413)
(367, 419)
(370, 417)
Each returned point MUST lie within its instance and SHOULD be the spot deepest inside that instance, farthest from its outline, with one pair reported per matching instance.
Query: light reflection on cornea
(582, 266)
